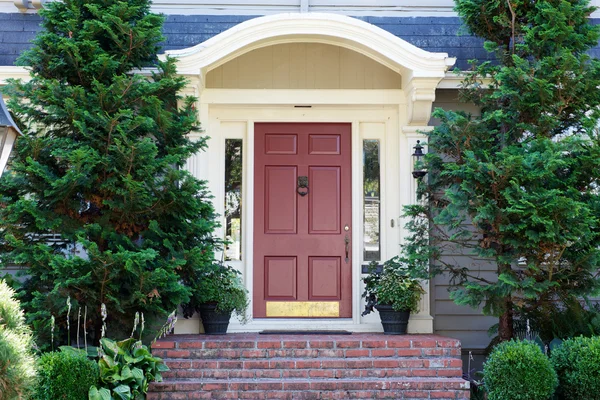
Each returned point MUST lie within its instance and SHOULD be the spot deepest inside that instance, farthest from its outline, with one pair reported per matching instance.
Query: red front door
(302, 220)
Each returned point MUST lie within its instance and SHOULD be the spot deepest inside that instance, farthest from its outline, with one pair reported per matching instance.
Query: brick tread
(405, 388)
(304, 353)
(326, 384)
(429, 360)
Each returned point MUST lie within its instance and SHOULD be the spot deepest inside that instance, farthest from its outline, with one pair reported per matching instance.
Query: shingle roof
(437, 34)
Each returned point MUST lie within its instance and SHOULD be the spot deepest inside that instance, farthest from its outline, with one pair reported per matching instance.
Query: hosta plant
(126, 369)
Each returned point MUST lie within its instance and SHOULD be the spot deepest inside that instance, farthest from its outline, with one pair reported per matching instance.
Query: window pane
(233, 199)
(371, 200)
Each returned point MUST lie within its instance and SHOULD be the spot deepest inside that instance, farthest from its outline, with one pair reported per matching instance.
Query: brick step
(366, 388)
(323, 367)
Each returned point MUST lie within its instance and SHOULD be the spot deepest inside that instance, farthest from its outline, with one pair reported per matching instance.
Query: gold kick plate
(303, 309)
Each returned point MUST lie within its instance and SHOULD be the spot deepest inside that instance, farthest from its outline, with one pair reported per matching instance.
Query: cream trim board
(450, 81)
(8, 71)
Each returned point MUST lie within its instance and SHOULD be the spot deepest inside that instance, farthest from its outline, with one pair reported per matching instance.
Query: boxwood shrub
(518, 370)
(66, 375)
(577, 363)
(17, 362)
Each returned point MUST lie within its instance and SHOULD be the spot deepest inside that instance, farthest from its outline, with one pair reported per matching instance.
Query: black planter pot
(394, 322)
(215, 323)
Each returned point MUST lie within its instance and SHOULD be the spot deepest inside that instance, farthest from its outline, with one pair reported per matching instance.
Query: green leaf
(99, 394)
(109, 346)
(138, 375)
(122, 392)
(126, 373)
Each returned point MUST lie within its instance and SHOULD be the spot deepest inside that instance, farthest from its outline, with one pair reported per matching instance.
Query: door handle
(347, 246)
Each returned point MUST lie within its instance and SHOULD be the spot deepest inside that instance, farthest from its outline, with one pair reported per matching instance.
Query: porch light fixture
(417, 156)
(8, 135)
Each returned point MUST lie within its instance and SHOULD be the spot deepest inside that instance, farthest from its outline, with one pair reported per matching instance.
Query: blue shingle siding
(437, 34)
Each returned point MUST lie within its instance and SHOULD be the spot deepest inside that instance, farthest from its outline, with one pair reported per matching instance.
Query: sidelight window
(371, 200)
(233, 199)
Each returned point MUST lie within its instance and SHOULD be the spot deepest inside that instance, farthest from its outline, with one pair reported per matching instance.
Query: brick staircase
(357, 366)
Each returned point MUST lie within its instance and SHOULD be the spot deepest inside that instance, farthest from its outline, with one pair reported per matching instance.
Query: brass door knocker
(302, 184)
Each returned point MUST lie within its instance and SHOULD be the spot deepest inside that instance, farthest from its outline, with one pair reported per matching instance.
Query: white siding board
(477, 340)
(464, 322)
(281, 68)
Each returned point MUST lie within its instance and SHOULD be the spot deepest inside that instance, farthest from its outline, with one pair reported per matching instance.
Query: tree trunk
(505, 323)
(505, 327)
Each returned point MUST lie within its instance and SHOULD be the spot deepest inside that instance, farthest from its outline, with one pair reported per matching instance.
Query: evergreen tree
(97, 205)
(519, 184)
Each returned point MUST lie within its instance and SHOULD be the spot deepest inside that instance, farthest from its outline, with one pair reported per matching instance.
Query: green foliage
(98, 205)
(65, 375)
(221, 284)
(565, 319)
(17, 363)
(126, 369)
(396, 285)
(518, 370)
(577, 363)
(518, 185)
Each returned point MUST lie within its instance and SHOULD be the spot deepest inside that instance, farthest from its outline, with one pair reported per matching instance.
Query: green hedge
(17, 363)
(577, 363)
(66, 376)
(518, 370)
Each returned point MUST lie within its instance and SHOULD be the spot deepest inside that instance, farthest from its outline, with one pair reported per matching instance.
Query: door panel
(324, 144)
(280, 199)
(324, 278)
(324, 203)
(302, 264)
(280, 275)
(281, 144)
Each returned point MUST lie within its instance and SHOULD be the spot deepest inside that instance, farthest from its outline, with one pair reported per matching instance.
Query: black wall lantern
(418, 173)
(8, 134)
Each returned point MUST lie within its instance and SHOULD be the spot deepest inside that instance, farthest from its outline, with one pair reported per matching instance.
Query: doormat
(301, 332)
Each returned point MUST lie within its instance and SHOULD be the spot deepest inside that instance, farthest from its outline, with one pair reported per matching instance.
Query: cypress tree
(97, 205)
(518, 185)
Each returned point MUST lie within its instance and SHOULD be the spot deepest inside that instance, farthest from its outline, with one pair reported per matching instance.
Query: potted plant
(395, 291)
(219, 294)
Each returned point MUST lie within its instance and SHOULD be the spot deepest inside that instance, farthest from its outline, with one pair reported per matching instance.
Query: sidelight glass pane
(233, 199)
(371, 200)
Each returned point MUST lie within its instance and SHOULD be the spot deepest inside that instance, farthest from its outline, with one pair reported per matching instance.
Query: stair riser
(310, 373)
(437, 363)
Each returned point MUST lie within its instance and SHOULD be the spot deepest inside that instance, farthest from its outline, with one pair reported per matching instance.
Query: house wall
(429, 24)
(449, 319)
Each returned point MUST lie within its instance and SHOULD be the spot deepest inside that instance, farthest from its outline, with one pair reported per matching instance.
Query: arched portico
(389, 117)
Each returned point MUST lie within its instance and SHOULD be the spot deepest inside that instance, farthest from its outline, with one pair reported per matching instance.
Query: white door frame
(384, 120)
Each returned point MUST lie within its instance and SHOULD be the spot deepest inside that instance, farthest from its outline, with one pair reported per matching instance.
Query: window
(233, 199)
(371, 201)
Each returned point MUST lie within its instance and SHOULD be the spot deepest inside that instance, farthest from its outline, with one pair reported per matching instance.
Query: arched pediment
(338, 30)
